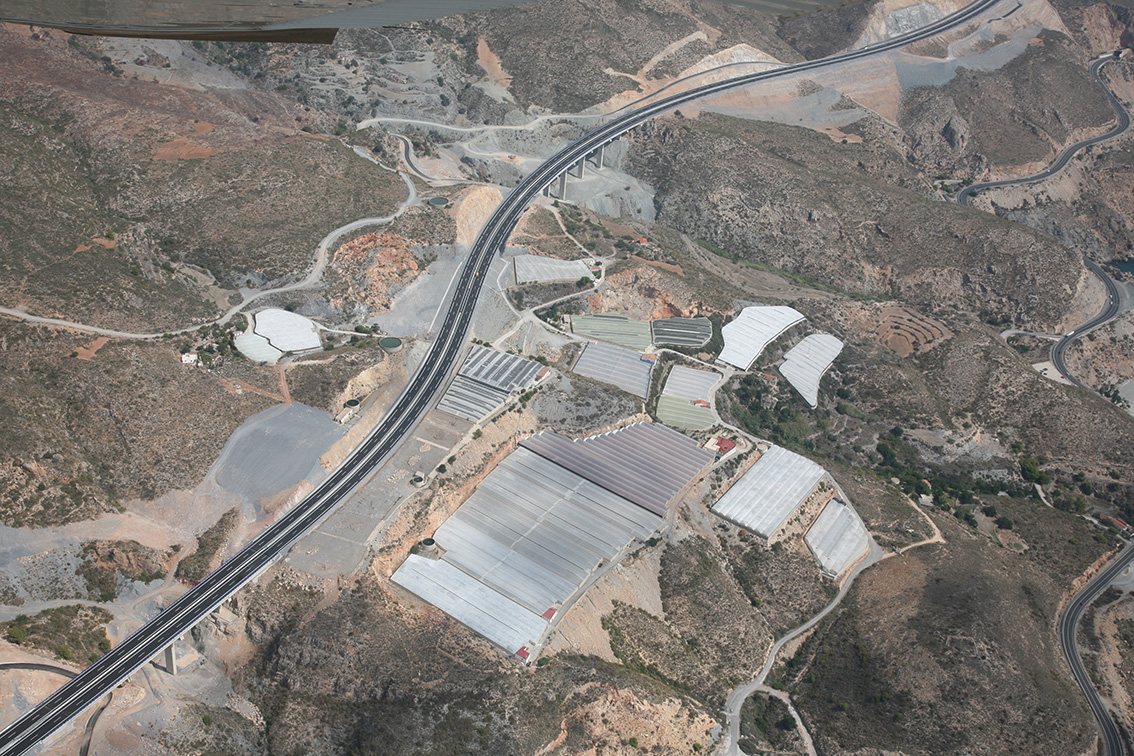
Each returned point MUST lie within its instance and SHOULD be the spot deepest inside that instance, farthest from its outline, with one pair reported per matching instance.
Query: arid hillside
(1019, 115)
(853, 216)
(88, 425)
(168, 180)
(950, 649)
(135, 177)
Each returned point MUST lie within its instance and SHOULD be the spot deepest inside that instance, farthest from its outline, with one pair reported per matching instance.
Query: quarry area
(757, 445)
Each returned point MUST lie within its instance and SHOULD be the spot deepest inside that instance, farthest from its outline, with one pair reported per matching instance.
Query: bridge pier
(597, 155)
(563, 185)
(580, 167)
(171, 659)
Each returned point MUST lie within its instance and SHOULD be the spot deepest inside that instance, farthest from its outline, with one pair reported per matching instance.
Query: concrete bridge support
(596, 156)
(171, 659)
(581, 167)
(563, 185)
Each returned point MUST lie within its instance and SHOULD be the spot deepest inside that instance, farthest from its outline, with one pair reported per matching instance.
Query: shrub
(1031, 472)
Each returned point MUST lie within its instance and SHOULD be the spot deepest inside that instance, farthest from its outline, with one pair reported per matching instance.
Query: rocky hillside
(1019, 115)
(363, 674)
(950, 649)
(854, 216)
(537, 44)
(134, 177)
(85, 430)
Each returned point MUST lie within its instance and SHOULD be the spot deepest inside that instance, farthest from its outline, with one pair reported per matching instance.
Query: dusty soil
(374, 267)
(419, 690)
(215, 174)
(1105, 357)
(916, 631)
(82, 436)
(903, 330)
(767, 208)
(1106, 642)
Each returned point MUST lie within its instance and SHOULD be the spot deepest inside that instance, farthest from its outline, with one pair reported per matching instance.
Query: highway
(1112, 742)
(103, 675)
(1110, 310)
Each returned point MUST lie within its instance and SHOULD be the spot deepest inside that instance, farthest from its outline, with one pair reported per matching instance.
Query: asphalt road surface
(442, 358)
(1112, 742)
(1110, 310)
(1064, 157)
(1108, 313)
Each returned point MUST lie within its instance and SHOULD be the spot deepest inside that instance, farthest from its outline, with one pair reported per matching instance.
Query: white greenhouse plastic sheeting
(691, 384)
(766, 495)
(616, 366)
(752, 330)
(838, 538)
(256, 347)
(525, 543)
(471, 399)
(806, 362)
(287, 331)
(535, 531)
(646, 463)
(485, 381)
(539, 269)
(470, 602)
(504, 371)
(684, 414)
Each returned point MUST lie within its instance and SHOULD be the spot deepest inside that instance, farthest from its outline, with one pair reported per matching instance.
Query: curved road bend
(88, 732)
(133, 652)
(736, 699)
(313, 277)
(1110, 310)
(1112, 742)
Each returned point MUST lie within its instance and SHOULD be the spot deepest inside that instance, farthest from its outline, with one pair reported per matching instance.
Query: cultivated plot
(287, 331)
(806, 362)
(770, 492)
(486, 380)
(754, 328)
(540, 269)
(627, 370)
(682, 332)
(532, 536)
(617, 329)
(838, 539)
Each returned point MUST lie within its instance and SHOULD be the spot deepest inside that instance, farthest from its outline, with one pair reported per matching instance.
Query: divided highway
(1110, 310)
(103, 675)
(1113, 744)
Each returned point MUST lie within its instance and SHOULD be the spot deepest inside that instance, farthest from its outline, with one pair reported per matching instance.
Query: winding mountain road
(1112, 741)
(1111, 309)
(433, 373)
(1064, 157)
